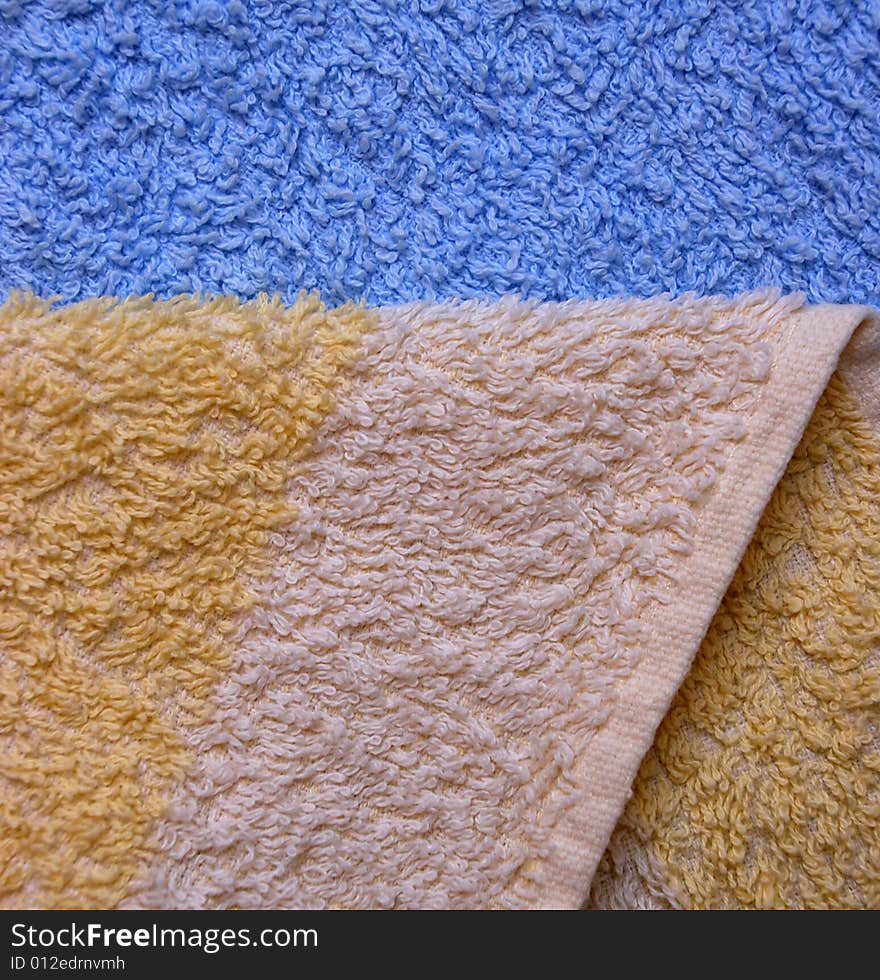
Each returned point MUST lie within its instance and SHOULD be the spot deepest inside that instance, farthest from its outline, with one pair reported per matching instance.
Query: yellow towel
(382, 607)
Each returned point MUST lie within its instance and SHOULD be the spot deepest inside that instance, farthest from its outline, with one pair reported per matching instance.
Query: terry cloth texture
(400, 150)
(763, 786)
(382, 607)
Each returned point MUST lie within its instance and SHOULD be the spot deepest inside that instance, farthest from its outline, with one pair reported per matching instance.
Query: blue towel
(392, 149)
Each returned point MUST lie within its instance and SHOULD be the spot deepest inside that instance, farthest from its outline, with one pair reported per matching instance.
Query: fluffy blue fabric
(391, 149)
